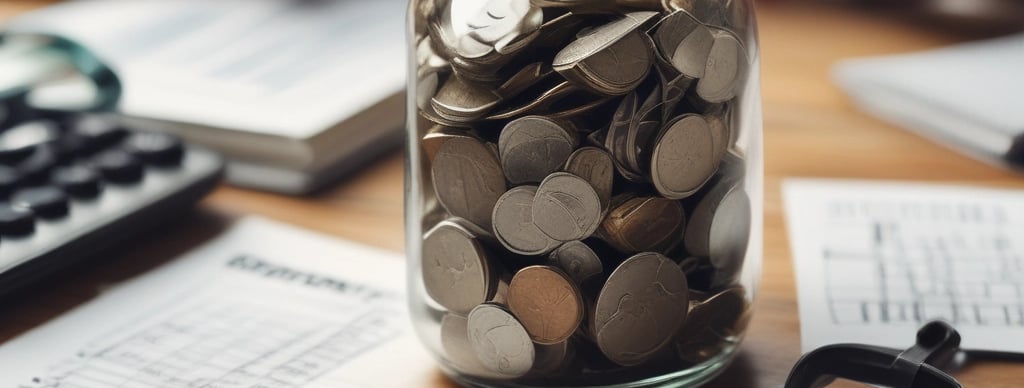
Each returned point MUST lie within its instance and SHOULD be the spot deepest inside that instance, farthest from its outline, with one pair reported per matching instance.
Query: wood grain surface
(811, 130)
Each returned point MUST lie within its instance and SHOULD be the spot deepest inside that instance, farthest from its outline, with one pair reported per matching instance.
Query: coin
(566, 207)
(467, 179)
(577, 260)
(643, 224)
(522, 80)
(533, 147)
(456, 347)
(500, 25)
(459, 100)
(500, 342)
(597, 168)
(685, 42)
(719, 226)
(437, 135)
(684, 157)
(612, 59)
(641, 307)
(513, 223)
(456, 271)
(726, 65)
(712, 324)
(547, 303)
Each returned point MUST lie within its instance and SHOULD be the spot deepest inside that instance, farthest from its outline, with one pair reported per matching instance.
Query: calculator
(73, 185)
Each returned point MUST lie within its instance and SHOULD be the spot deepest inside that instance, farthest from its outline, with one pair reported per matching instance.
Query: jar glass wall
(583, 188)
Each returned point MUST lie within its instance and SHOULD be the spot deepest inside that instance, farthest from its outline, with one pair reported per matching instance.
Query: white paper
(875, 261)
(264, 305)
(965, 96)
(291, 68)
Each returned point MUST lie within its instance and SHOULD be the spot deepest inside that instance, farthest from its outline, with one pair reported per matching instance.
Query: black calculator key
(45, 201)
(78, 181)
(37, 167)
(98, 132)
(18, 142)
(159, 149)
(16, 221)
(9, 179)
(119, 166)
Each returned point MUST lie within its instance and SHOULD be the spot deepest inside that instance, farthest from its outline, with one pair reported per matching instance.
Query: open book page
(875, 261)
(264, 305)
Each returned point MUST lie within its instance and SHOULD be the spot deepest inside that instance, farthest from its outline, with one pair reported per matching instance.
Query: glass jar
(583, 188)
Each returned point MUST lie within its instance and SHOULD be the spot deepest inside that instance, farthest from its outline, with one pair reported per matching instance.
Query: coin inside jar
(719, 226)
(547, 303)
(685, 42)
(577, 260)
(566, 208)
(711, 325)
(611, 59)
(684, 157)
(724, 69)
(456, 271)
(596, 167)
(500, 342)
(460, 101)
(532, 147)
(640, 309)
(514, 226)
(643, 224)
(467, 179)
(455, 343)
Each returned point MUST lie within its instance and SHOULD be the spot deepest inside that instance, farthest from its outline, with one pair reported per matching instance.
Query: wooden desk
(810, 131)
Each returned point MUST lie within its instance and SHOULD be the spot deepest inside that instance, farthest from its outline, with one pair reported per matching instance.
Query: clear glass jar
(583, 188)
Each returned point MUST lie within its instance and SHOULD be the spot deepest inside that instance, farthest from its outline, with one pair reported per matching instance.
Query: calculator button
(98, 132)
(154, 148)
(16, 221)
(119, 166)
(36, 168)
(45, 201)
(78, 181)
(19, 141)
(9, 179)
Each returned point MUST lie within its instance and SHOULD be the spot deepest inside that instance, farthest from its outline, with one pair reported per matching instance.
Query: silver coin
(612, 59)
(456, 271)
(719, 226)
(522, 80)
(500, 342)
(533, 147)
(459, 100)
(577, 260)
(726, 64)
(685, 42)
(618, 130)
(596, 167)
(684, 157)
(641, 224)
(500, 25)
(566, 207)
(438, 135)
(640, 309)
(456, 347)
(513, 223)
(467, 179)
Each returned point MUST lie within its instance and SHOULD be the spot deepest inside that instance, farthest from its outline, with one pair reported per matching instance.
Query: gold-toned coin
(643, 224)
(547, 302)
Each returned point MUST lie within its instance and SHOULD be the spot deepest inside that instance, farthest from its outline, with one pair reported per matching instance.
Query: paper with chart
(874, 261)
(264, 305)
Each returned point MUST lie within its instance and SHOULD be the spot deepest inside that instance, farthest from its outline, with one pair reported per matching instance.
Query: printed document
(875, 261)
(264, 305)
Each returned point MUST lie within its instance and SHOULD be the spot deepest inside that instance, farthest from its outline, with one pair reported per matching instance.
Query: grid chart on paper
(911, 262)
(224, 345)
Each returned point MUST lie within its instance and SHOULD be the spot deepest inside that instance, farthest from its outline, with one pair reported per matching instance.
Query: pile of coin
(585, 210)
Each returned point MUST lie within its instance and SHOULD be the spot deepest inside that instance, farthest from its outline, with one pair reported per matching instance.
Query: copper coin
(547, 302)
(644, 224)
(640, 309)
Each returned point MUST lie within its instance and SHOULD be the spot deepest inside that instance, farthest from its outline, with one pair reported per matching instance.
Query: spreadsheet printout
(264, 305)
(875, 261)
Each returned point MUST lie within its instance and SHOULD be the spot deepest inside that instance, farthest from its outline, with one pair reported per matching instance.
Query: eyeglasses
(921, 365)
